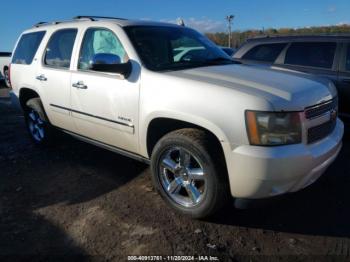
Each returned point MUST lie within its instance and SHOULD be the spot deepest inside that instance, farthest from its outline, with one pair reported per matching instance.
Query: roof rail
(94, 18)
(46, 23)
(39, 24)
(90, 17)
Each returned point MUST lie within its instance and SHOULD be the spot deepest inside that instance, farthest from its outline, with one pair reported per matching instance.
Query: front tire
(188, 171)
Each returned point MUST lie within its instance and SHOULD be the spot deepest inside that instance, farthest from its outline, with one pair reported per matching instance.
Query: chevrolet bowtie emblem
(333, 114)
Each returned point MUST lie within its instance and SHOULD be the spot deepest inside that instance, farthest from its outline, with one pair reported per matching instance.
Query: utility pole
(229, 20)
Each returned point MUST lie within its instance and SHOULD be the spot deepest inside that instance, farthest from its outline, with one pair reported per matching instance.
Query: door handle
(41, 78)
(80, 85)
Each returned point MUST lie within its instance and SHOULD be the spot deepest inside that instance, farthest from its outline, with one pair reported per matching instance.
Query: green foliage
(239, 37)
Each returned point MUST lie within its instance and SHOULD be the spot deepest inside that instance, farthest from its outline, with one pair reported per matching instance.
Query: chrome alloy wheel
(182, 176)
(36, 126)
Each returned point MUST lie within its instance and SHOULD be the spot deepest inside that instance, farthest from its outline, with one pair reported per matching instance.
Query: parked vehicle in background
(5, 59)
(187, 53)
(228, 50)
(211, 128)
(325, 56)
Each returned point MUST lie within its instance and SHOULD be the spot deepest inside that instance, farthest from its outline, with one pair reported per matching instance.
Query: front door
(104, 106)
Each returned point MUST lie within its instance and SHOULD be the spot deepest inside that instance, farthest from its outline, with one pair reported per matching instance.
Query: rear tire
(40, 130)
(189, 173)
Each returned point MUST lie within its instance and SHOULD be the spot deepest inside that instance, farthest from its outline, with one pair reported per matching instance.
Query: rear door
(54, 75)
(316, 58)
(312, 57)
(343, 84)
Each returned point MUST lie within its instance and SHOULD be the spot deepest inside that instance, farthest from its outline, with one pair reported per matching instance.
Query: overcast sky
(204, 15)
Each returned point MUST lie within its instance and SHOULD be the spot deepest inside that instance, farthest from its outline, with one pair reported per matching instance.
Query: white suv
(209, 127)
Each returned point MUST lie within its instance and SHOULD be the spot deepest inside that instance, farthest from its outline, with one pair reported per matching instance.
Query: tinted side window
(347, 65)
(60, 47)
(316, 54)
(265, 53)
(100, 41)
(27, 47)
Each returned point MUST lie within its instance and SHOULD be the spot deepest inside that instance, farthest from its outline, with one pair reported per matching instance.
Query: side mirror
(105, 58)
(110, 63)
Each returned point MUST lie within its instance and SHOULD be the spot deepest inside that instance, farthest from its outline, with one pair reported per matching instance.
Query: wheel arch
(25, 94)
(160, 126)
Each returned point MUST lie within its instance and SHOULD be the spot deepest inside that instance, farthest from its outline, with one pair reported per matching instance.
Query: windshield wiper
(178, 65)
(191, 64)
(220, 60)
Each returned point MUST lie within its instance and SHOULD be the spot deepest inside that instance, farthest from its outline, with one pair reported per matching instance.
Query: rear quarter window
(27, 47)
(265, 52)
(315, 54)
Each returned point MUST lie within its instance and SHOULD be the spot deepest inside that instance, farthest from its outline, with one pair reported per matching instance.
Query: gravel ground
(78, 202)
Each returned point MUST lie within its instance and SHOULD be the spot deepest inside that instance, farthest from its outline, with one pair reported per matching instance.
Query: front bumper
(261, 172)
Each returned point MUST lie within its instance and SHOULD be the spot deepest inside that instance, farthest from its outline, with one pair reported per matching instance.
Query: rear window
(347, 65)
(265, 53)
(59, 49)
(315, 54)
(27, 47)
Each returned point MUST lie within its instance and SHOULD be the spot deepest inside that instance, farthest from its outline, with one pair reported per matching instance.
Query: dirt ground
(78, 202)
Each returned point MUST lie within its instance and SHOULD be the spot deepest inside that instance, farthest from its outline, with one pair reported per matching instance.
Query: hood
(284, 90)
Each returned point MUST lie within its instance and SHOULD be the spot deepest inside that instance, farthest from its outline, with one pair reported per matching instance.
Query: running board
(108, 147)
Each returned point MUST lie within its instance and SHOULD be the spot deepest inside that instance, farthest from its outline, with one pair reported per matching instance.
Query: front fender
(192, 119)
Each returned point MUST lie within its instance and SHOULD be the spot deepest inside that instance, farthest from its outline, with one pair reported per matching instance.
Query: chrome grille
(321, 131)
(320, 109)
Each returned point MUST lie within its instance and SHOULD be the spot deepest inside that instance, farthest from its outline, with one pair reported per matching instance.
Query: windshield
(174, 48)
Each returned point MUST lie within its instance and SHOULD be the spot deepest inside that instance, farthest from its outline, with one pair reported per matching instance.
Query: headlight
(273, 128)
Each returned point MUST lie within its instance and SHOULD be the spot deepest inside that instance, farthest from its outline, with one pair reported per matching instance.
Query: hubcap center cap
(184, 176)
(181, 172)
